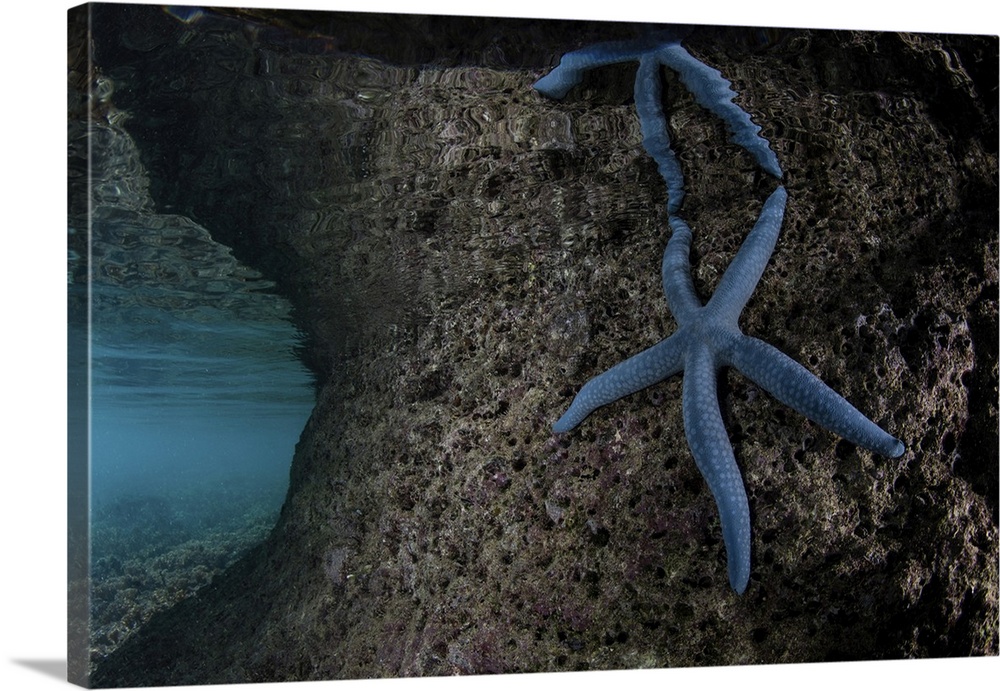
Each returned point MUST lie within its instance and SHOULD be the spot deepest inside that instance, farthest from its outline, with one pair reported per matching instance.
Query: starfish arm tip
(739, 582)
(554, 85)
(563, 425)
(738, 560)
(641, 370)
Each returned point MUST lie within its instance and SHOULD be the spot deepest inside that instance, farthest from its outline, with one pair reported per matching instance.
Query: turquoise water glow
(195, 380)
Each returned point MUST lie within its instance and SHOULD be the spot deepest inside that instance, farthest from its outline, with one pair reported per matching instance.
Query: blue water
(197, 395)
(181, 404)
(197, 399)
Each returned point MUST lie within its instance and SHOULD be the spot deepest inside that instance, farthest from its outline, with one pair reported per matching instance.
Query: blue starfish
(709, 336)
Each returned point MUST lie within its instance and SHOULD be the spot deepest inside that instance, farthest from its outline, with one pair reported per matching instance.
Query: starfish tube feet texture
(707, 339)
(678, 287)
(638, 372)
(653, 122)
(744, 271)
(713, 454)
(801, 390)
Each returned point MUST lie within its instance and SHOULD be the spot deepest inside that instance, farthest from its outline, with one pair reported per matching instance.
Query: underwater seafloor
(465, 254)
(151, 552)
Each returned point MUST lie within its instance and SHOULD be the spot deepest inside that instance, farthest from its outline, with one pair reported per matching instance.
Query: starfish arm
(709, 443)
(798, 388)
(569, 72)
(676, 273)
(740, 279)
(655, 138)
(713, 91)
(664, 359)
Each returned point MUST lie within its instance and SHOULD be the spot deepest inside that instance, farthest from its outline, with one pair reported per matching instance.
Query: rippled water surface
(195, 375)
(197, 400)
